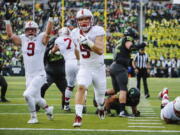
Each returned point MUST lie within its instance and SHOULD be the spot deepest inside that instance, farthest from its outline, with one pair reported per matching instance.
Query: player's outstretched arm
(16, 39)
(49, 26)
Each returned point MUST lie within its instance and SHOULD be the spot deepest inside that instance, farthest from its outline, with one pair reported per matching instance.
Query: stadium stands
(162, 28)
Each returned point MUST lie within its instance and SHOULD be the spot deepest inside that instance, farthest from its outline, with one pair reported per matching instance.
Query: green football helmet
(133, 96)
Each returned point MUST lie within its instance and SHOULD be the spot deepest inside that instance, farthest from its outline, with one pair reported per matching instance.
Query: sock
(85, 98)
(165, 100)
(33, 115)
(68, 93)
(42, 103)
(31, 103)
(122, 107)
(79, 109)
(99, 97)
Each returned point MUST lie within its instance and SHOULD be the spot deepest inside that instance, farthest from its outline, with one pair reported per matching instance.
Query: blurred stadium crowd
(162, 28)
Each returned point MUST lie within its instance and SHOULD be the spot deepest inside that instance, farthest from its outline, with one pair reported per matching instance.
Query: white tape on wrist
(50, 19)
(90, 43)
(7, 22)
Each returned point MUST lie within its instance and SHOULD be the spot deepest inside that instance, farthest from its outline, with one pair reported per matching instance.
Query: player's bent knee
(81, 88)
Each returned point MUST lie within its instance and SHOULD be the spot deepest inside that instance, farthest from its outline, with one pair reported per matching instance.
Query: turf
(14, 115)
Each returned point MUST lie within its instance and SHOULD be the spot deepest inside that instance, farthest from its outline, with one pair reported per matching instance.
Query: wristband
(7, 22)
(50, 19)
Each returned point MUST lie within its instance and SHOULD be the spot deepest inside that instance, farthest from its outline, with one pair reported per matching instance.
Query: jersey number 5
(30, 48)
(84, 52)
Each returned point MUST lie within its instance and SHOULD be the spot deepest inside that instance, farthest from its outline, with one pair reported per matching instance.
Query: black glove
(50, 10)
(137, 47)
(8, 15)
(143, 44)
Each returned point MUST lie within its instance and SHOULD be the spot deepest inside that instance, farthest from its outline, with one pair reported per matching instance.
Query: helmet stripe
(82, 12)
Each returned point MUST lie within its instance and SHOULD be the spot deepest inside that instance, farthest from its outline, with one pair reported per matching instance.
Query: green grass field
(14, 115)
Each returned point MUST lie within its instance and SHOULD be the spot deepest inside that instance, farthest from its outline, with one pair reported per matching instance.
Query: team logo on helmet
(31, 29)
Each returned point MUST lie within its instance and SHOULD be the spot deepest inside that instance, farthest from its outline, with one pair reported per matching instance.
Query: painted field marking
(146, 123)
(146, 126)
(148, 113)
(91, 130)
(142, 120)
(142, 117)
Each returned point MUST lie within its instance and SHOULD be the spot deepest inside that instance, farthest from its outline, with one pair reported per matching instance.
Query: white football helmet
(64, 31)
(177, 103)
(31, 25)
(85, 13)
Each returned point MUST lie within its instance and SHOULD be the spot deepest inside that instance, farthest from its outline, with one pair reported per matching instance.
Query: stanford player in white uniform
(170, 111)
(89, 40)
(33, 48)
(66, 46)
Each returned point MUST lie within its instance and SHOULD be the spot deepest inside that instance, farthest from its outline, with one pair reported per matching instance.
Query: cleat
(101, 114)
(49, 112)
(4, 100)
(67, 108)
(33, 121)
(147, 96)
(124, 114)
(77, 121)
(161, 93)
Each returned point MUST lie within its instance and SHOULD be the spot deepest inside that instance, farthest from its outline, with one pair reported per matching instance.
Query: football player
(112, 102)
(89, 40)
(55, 71)
(119, 67)
(33, 46)
(3, 82)
(170, 110)
(66, 47)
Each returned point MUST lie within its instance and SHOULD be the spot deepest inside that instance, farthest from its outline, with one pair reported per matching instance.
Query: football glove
(85, 41)
(8, 15)
(50, 10)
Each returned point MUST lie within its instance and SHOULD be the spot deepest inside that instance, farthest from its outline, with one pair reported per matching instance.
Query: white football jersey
(168, 112)
(66, 47)
(33, 55)
(89, 58)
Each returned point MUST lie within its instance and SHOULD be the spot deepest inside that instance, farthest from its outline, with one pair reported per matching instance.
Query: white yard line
(147, 114)
(6, 104)
(143, 120)
(41, 113)
(147, 111)
(147, 126)
(91, 130)
(142, 117)
(145, 123)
